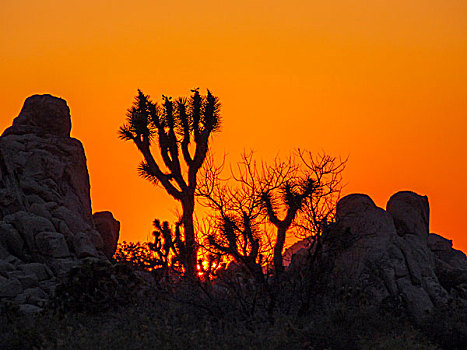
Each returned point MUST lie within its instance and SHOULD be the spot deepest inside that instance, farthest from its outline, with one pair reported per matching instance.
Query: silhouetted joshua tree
(174, 127)
(168, 248)
(293, 194)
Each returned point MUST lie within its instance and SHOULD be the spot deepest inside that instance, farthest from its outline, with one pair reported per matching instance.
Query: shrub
(138, 255)
(96, 285)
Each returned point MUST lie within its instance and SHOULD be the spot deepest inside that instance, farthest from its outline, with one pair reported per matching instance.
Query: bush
(96, 285)
(135, 254)
(194, 316)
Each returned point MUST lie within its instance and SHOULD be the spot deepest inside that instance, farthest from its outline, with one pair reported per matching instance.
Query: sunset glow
(384, 83)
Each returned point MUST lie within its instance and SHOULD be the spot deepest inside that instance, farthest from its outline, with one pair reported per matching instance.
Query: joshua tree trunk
(188, 206)
(293, 197)
(278, 248)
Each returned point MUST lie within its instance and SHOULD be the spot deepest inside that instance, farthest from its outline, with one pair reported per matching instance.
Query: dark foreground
(191, 319)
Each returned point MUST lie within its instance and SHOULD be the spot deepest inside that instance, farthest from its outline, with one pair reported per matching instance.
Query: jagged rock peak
(46, 222)
(42, 115)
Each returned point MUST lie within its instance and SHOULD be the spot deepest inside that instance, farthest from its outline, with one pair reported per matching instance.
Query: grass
(106, 307)
(156, 322)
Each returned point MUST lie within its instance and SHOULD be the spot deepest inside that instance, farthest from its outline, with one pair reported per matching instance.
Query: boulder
(52, 244)
(61, 266)
(40, 209)
(34, 296)
(9, 287)
(296, 249)
(358, 246)
(29, 309)
(28, 281)
(74, 222)
(410, 212)
(46, 223)
(354, 205)
(28, 225)
(41, 271)
(450, 265)
(439, 244)
(109, 229)
(83, 246)
(6, 267)
(390, 254)
(11, 240)
(443, 251)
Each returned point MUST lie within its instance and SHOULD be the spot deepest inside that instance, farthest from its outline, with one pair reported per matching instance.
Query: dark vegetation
(188, 318)
(222, 282)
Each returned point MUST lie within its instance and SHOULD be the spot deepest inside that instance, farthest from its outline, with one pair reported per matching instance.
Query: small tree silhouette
(168, 248)
(246, 249)
(293, 193)
(174, 127)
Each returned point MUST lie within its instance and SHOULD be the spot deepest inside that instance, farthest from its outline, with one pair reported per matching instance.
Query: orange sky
(384, 82)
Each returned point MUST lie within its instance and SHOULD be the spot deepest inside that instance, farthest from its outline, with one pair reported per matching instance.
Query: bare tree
(174, 127)
(319, 210)
(237, 215)
(297, 194)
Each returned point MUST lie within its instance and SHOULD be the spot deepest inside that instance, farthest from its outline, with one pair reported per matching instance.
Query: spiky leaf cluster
(184, 118)
(173, 126)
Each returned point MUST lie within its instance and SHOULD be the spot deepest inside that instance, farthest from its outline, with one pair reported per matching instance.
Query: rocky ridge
(390, 255)
(46, 222)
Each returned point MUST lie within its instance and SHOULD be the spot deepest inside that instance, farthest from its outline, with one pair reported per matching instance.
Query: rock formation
(46, 222)
(109, 228)
(390, 254)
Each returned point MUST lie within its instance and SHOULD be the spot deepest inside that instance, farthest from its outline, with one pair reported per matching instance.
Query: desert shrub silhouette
(95, 286)
(138, 255)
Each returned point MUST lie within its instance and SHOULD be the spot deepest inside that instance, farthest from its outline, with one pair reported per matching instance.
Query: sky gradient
(383, 82)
